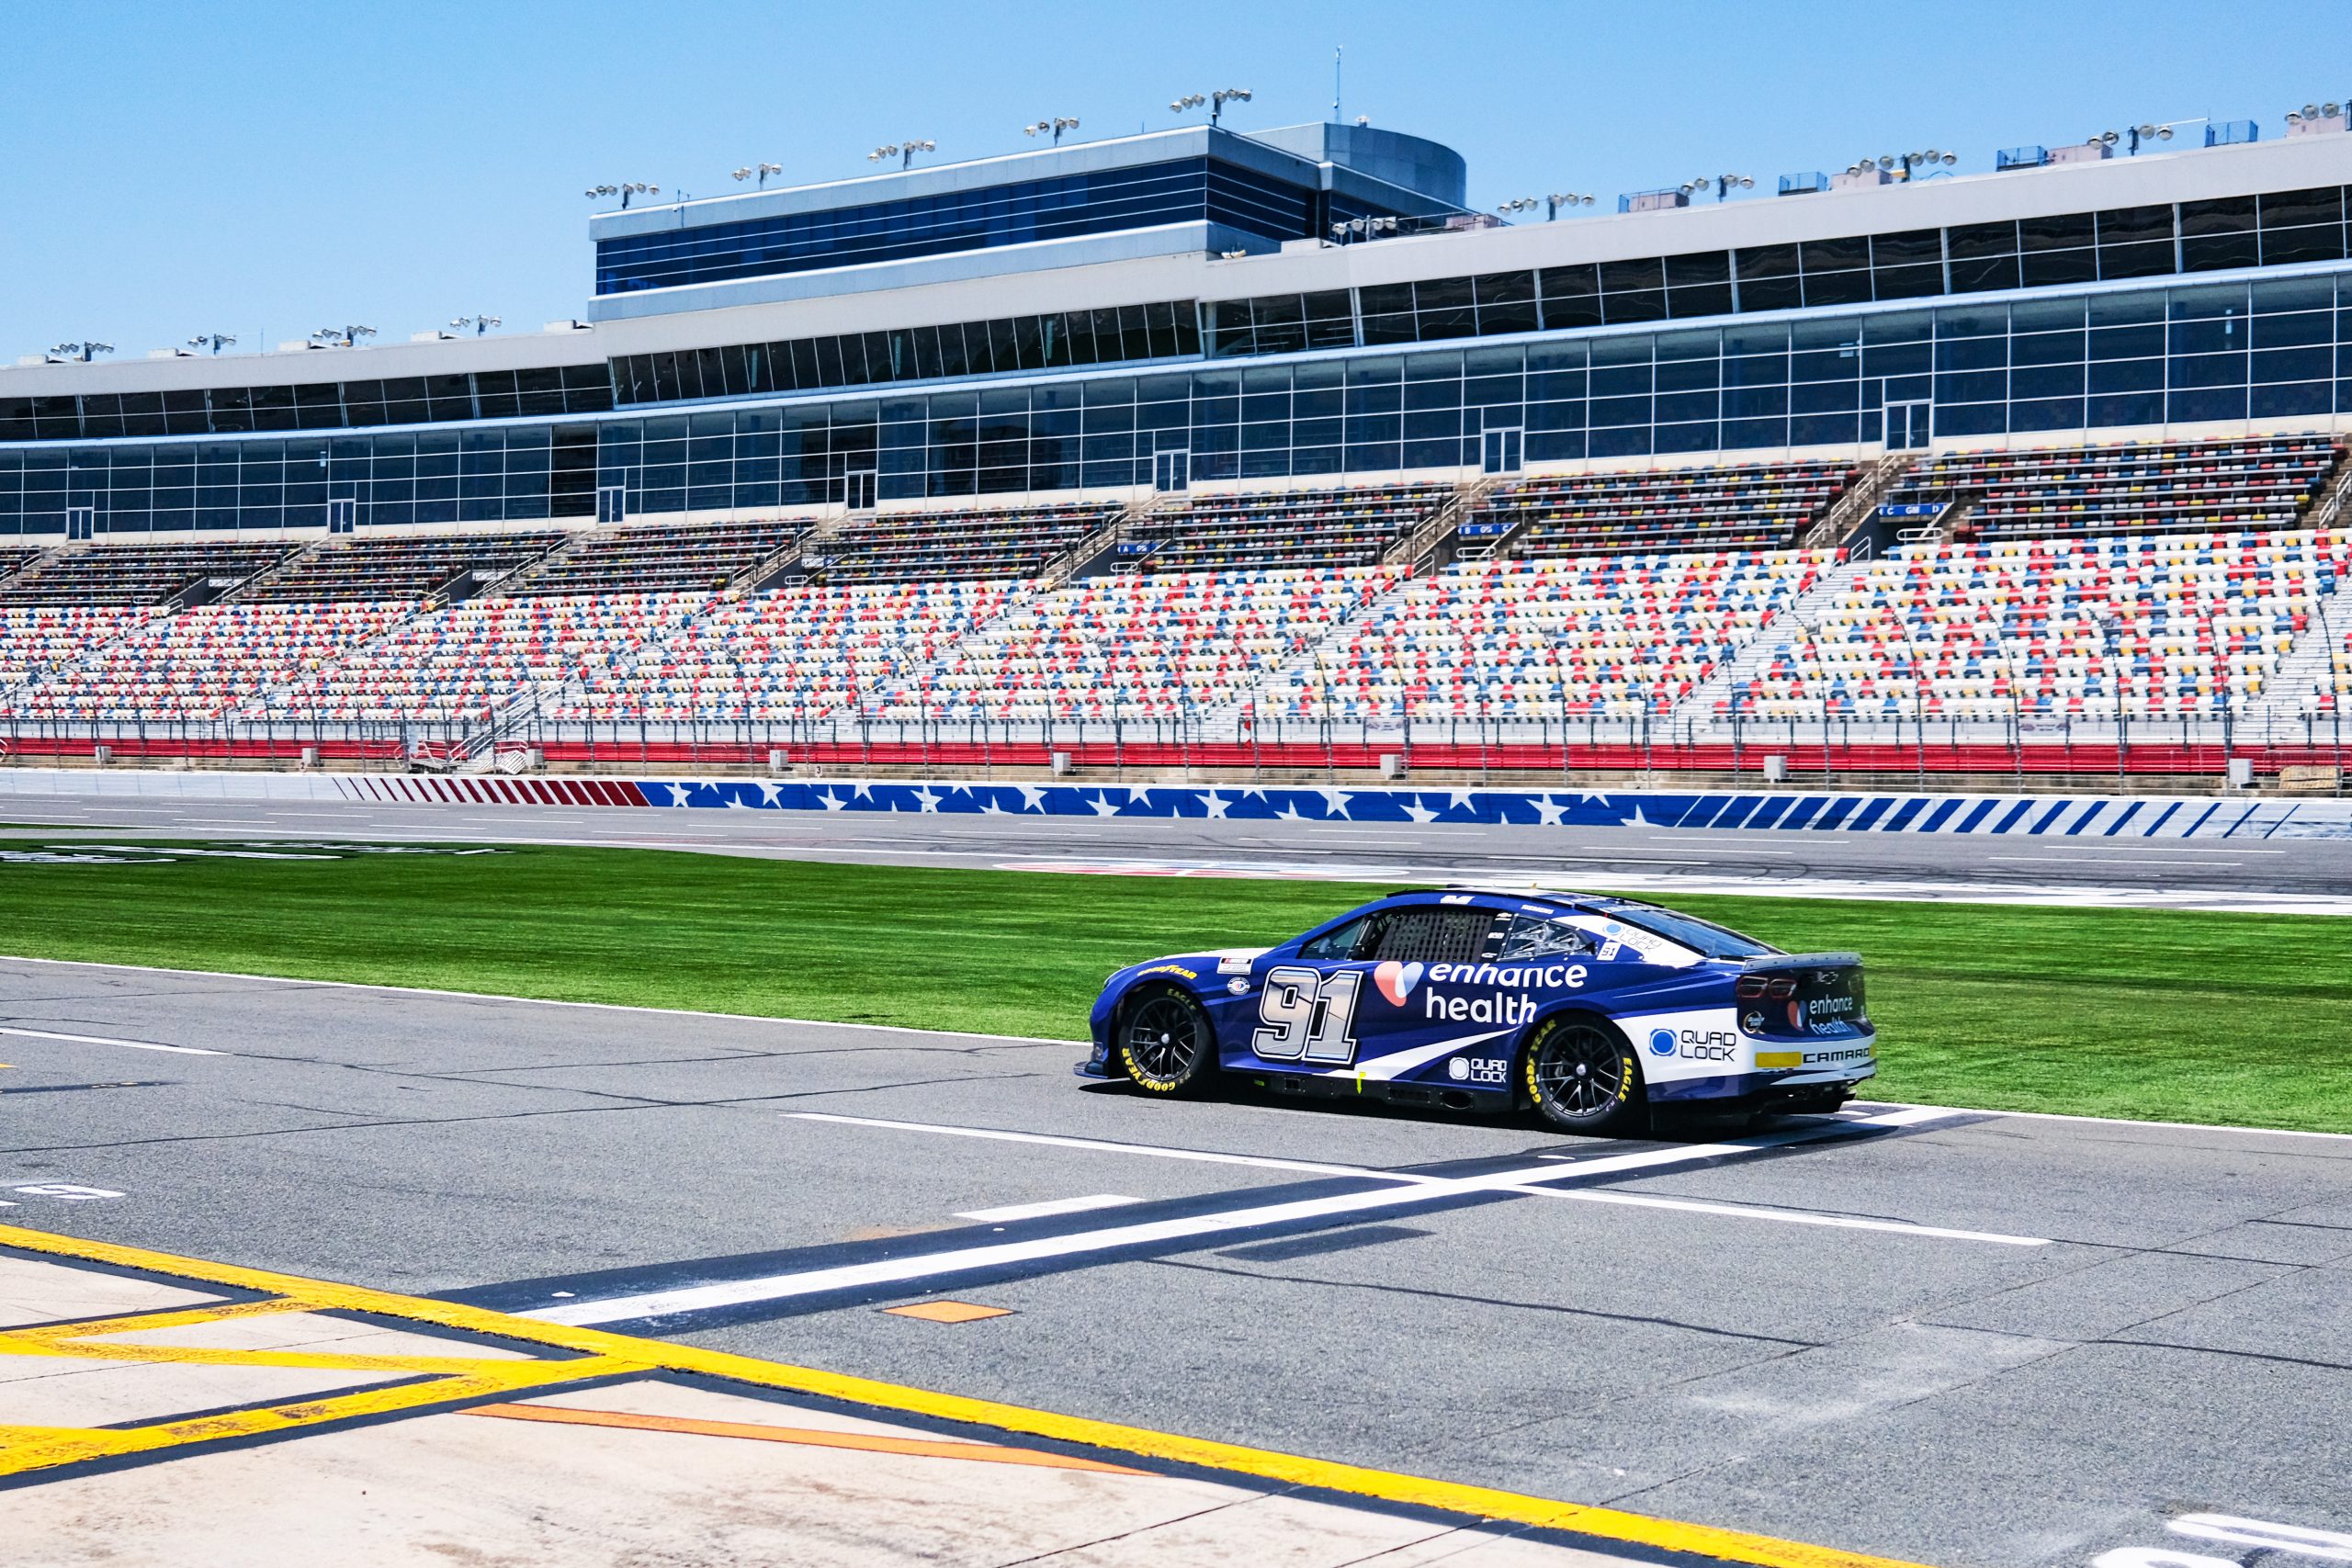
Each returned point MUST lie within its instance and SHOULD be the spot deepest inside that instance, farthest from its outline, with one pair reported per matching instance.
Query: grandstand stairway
(1711, 700)
(1431, 544)
(1853, 512)
(2308, 681)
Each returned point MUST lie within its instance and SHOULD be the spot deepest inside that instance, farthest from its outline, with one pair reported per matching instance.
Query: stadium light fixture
(2313, 111)
(1215, 101)
(81, 352)
(761, 170)
(625, 190)
(2134, 136)
(481, 324)
(341, 337)
(902, 150)
(215, 341)
(1055, 126)
(1908, 165)
(1722, 184)
(1559, 199)
(1516, 204)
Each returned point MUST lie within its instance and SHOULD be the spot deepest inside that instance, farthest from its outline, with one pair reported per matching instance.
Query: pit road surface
(1946, 1337)
(2304, 873)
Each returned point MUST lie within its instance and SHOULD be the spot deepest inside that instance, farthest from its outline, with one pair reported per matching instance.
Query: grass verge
(2238, 1019)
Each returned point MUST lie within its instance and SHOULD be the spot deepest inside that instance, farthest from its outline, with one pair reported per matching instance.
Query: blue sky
(264, 169)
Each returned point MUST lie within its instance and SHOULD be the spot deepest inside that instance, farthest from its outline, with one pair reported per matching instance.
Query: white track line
(1794, 1217)
(960, 1034)
(103, 1040)
(1201, 1156)
(998, 1255)
(1047, 1209)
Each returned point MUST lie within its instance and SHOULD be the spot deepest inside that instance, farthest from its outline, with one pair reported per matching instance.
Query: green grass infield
(2186, 1017)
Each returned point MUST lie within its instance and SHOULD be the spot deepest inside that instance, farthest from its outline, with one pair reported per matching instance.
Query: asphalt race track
(2314, 875)
(1947, 1338)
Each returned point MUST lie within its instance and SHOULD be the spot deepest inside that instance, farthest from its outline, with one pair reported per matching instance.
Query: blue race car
(1591, 1009)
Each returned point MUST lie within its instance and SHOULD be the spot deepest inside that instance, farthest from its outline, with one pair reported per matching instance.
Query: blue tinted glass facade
(2269, 349)
(1184, 190)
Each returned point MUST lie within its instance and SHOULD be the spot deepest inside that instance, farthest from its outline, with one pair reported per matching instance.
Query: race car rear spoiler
(1804, 961)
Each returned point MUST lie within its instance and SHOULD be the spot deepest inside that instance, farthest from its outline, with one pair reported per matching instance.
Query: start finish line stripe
(904, 1271)
(1600, 1524)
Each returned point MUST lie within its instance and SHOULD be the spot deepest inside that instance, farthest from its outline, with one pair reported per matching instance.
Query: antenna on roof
(1338, 55)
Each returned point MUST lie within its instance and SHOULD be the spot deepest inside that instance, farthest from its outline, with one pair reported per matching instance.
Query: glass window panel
(1442, 294)
(2056, 232)
(2046, 382)
(2229, 215)
(2207, 370)
(2218, 402)
(1686, 346)
(1710, 299)
(1908, 248)
(1756, 338)
(1845, 253)
(2046, 269)
(2289, 331)
(1676, 407)
(2046, 348)
(1969, 387)
(2283, 247)
(1922, 281)
(2153, 259)
(2134, 225)
(1688, 375)
(1976, 242)
(2294, 364)
(1386, 298)
(2218, 253)
(1644, 306)
(2294, 208)
(1777, 293)
(1685, 437)
(2293, 397)
(1824, 430)
(1766, 261)
(1698, 267)
(1626, 276)
(1571, 296)
(1983, 275)
(1836, 287)
(1755, 402)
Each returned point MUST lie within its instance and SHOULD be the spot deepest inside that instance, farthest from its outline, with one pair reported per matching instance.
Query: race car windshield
(1714, 940)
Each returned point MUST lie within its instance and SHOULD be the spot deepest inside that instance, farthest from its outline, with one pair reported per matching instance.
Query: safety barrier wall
(2021, 816)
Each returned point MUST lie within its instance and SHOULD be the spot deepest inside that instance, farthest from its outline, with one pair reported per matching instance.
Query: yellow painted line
(24, 1449)
(806, 1437)
(609, 1353)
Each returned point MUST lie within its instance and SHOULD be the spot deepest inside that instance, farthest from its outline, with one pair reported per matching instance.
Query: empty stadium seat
(2187, 625)
(1755, 506)
(141, 574)
(1352, 526)
(1592, 637)
(2263, 481)
(909, 547)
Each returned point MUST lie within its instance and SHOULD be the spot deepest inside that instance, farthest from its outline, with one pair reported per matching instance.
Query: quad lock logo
(1694, 1044)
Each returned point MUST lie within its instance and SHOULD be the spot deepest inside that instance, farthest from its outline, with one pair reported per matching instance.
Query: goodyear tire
(1583, 1077)
(1165, 1043)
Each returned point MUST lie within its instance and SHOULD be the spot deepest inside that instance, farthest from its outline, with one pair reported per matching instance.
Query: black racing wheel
(1165, 1043)
(1583, 1079)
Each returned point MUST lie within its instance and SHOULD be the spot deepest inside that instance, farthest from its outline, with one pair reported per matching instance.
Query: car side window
(1534, 936)
(1336, 945)
(1438, 934)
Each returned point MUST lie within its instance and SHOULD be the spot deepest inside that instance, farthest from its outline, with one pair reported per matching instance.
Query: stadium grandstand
(1310, 462)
